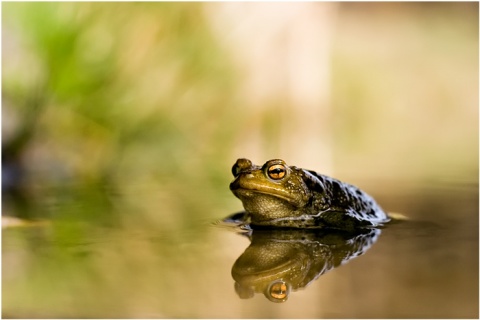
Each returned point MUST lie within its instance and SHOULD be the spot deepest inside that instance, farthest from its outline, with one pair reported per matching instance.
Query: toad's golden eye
(277, 171)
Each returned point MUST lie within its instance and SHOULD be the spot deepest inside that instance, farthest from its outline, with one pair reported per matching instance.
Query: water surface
(426, 267)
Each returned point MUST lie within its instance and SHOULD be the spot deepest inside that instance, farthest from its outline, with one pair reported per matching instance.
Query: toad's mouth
(241, 192)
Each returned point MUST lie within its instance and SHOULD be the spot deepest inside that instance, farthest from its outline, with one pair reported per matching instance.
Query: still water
(426, 267)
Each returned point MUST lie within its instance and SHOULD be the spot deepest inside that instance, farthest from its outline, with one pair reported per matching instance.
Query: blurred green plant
(122, 95)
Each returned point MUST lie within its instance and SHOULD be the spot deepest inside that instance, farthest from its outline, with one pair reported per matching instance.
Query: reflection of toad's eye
(278, 291)
(277, 171)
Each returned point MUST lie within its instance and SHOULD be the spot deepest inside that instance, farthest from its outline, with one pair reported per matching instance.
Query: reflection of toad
(286, 196)
(279, 261)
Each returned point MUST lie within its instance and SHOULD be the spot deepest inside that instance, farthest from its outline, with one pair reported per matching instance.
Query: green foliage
(127, 94)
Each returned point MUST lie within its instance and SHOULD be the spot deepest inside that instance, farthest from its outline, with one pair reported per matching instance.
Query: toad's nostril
(244, 163)
(235, 170)
(241, 165)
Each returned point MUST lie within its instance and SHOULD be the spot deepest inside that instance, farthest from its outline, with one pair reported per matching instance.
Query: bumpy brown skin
(286, 196)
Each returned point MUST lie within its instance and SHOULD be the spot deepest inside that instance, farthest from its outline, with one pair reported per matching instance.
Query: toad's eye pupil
(276, 172)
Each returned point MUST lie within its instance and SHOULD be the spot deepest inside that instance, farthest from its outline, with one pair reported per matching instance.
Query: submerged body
(286, 196)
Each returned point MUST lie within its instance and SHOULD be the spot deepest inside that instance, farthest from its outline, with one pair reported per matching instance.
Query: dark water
(426, 267)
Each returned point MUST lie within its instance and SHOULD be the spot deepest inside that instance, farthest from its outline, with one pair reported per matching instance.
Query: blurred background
(128, 117)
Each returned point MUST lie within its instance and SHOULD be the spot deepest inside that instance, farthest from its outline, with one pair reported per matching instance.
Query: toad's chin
(265, 206)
